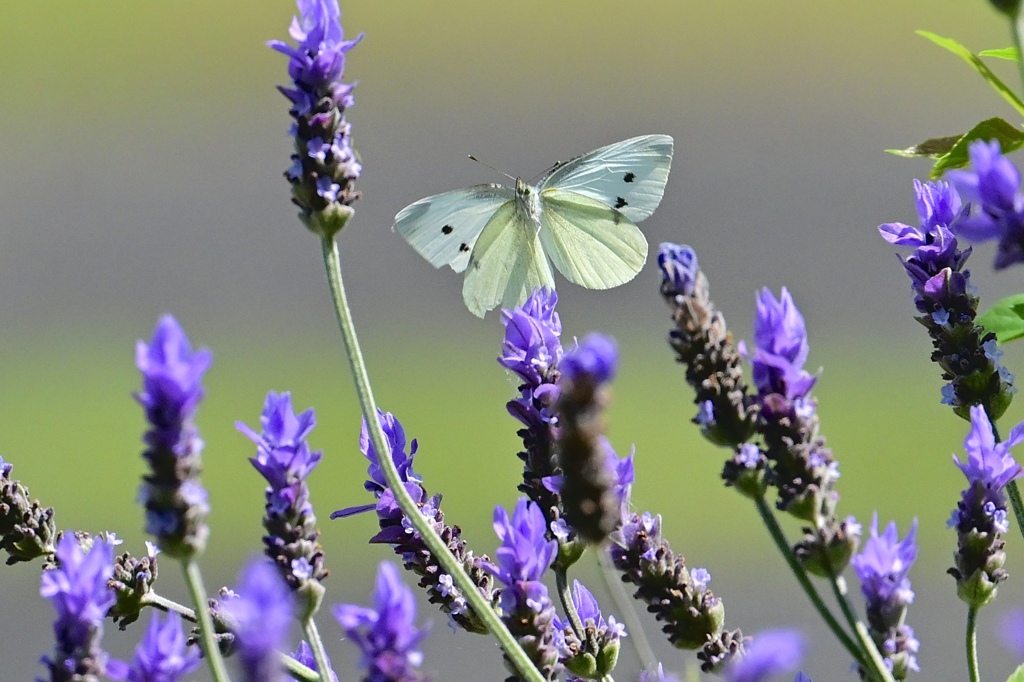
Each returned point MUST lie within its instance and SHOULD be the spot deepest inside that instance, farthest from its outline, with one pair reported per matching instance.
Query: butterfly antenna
(473, 158)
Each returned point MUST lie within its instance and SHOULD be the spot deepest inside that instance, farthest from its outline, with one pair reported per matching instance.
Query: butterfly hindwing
(443, 228)
(507, 264)
(590, 243)
(629, 176)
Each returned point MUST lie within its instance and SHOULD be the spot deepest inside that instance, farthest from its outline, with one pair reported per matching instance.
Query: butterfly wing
(591, 243)
(443, 228)
(629, 175)
(507, 264)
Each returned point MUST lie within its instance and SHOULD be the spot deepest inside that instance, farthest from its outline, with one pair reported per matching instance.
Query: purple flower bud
(304, 655)
(595, 360)
(782, 349)
(989, 463)
(592, 653)
(678, 265)
(263, 613)
(772, 652)
(386, 633)
(395, 435)
(162, 655)
(525, 552)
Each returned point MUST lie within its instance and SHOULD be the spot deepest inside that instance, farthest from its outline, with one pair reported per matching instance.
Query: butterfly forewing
(443, 228)
(590, 243)
(629, 176)
(508, 263)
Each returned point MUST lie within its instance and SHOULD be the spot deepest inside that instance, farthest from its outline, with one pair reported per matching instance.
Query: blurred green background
(142, 146)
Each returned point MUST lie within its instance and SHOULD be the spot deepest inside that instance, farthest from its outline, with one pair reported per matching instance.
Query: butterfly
(581, 217)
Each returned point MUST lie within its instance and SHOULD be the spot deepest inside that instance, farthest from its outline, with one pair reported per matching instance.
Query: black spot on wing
(463, 247)
(629, 177)
(447, 229)
(620, 202)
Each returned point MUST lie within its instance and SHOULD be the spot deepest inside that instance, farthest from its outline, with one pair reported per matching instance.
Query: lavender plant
(577, 490)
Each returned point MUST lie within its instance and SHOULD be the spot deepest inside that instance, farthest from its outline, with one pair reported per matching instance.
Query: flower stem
(434, 543)
(1018, 37)
(635, 629)
(299, 671)
(317, 645)
(194, 583)
(562, 583)
(164, 604)
(867, 644)
(972, 644)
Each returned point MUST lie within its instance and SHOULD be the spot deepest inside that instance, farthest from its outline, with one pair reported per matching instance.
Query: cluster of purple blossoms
(386, 634)
(260, 614)
(284, 458)
(27, 529)
(324, 166)
(397, 530)
(590, 488)
(521, 561)
(592, 653)
(882, 566)
(693, 616)
(175, 501)
(981, 518)
(77, 588)
(162, 655)
(947, 303)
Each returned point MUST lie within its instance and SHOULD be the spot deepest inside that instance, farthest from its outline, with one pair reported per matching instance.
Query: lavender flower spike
(772, 652)
(175, 501)
(261, 615)
(27, 529)
(285, 459)
(386, 633)
(992, 185)
(324, 165)
(981, 517)
(78, 590)
(592, 653)
(162, 655)
(882, 566)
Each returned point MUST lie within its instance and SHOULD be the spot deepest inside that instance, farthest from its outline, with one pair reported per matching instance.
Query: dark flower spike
(132, 581)
(592, 506)
(947, 303)
(261, 614)
(592, 653)
(324, 165)
(522, 559)
(771, 653)
(692, 615)
(701, 341)
(981, 517)
(27, 529)
(397, 530)
(162, 655)
(175, 501)
(79, 592)
(996, 209)
(386, 633)
(882, 567)
(285, 459)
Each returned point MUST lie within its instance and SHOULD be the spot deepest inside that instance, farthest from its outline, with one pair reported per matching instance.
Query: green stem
(1018, 38)
(772, 524)
(317, 645)
(196, 590)
(867, 644)
(565, 596)
(972, 644)
(431, 539)
(164, 604)
(635, 629)
(299, 671)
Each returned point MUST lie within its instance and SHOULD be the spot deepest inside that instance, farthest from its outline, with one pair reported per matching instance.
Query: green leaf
(933, 148)
(1005, 318)
(1007, 53)
(1009, 137)
(979, 66)
(1017, 675)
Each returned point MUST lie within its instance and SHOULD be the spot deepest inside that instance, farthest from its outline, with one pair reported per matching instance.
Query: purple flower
(262, 613)
(532, 347)
(175, 501)
(678, 265)
(395, 435)
(595, 360)
(285, 459)
(592, 653)
(882, 567)
(324, 166)
(989, 463)
(162, 655)
(386, 633)
(992, 185)
(525, 552)
(781, 340)
(78, 590)
(1011, 632)
(773, 652)
(304, 655)
(658, 675)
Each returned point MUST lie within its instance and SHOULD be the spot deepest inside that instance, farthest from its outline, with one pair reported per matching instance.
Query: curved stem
(635, 629)
(565, 596)
(299, 671)
(317, 645)
(194, 582)
(770, 522)
(431, 539)
(164, 604)
(972, 644)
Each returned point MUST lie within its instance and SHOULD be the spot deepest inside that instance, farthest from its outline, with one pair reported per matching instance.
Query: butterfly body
(579, 217)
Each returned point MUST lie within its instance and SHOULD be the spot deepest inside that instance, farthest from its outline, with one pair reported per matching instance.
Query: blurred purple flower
(162, 655)
(772, 652)
(263, 613)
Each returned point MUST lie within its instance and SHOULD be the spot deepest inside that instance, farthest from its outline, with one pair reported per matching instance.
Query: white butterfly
(580, 215)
